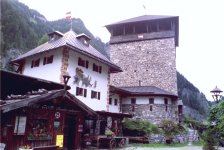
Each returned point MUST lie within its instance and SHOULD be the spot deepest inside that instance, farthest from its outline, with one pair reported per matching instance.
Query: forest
(22, 29)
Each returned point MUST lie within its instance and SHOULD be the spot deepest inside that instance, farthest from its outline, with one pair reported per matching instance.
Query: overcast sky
(200, 55)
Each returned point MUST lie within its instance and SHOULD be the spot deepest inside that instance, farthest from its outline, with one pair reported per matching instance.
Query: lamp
(216, 94)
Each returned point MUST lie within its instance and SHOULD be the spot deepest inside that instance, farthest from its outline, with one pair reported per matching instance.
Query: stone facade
(151, 61)
(155, 116)
(64, 61)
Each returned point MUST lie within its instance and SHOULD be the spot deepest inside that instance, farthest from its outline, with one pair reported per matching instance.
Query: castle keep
(145, 49)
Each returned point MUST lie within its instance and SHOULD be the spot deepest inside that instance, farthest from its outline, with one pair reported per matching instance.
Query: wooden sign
(59, 140)
(80, 129)
(57, 115)
(57, 124)
(19, 129)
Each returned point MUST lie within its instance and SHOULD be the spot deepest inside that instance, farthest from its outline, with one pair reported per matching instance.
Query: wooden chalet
(47, 118)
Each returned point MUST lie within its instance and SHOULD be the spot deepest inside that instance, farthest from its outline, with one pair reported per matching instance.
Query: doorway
(69, 132)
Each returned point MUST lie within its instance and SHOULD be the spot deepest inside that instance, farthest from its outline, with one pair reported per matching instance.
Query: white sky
(200, 55)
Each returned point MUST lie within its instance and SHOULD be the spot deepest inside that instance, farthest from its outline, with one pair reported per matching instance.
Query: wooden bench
(52, 147)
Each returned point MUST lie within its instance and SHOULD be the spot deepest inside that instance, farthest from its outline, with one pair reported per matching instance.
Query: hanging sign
(57, 115)
(56, 124)
(19, 129)
(80, 129)
(140, 36)
(59, 140)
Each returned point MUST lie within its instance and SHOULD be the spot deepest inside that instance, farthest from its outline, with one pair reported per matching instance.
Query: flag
(144, 7)
(68, 15)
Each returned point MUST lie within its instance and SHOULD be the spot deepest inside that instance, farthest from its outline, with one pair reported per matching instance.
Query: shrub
(169, 132)
(209, 140)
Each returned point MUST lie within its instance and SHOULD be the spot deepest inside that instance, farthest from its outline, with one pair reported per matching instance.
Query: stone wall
(155, 116)
(151, 61)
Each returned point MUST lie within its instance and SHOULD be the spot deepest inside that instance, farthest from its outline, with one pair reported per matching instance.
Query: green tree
(43, 40)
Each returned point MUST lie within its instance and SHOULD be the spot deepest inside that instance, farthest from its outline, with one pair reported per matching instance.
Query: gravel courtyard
(178, 148)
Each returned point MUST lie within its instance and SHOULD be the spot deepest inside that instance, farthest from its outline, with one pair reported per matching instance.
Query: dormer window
(55, 35)
(84, 38)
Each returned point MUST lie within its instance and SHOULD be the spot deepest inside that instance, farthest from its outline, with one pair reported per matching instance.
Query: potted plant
(109, 133)
(27, 147)
(169, 130)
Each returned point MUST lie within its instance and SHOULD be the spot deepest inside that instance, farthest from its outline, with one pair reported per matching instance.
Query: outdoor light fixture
(66, 77)
(216, 94)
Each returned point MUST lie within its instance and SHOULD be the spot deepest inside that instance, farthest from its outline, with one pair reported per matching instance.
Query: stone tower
(145, 48)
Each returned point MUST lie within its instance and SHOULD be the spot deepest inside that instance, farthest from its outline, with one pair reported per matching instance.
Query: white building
(88, 68)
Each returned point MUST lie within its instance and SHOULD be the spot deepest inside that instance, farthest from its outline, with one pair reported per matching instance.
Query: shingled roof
(142, 18)
(69, 39)
(143, 90)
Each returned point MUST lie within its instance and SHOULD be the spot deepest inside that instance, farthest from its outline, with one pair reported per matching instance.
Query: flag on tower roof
(68, 15)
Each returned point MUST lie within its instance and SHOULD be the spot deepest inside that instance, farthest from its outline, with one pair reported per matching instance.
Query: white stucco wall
(145, 100)
(113, 107)
(102, 81)
(52, 72)
(49, 71)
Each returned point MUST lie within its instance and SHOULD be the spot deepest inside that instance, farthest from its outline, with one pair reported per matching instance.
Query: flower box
(39, 138)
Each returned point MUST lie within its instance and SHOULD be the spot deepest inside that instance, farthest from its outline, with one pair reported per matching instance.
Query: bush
(169, 132)
(209, 140)
(139, 127)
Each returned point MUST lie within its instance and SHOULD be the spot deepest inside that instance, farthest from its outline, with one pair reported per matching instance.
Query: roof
(216, 89)
(57, 32)
(82, 34)
(143, 90)
(9, 105)
(19, 84)
(180, 102)
(69, 39)
(142, 18)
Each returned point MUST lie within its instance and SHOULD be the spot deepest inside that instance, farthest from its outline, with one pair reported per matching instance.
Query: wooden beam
(147, 36)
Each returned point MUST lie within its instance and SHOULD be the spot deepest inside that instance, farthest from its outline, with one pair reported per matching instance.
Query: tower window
(151, 100)
(110, 101)
(166, 107)
(150, 107)
(165, 101)
(133, 101)
(115, 102)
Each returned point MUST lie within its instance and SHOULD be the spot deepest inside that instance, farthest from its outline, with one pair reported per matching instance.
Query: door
(69, 132)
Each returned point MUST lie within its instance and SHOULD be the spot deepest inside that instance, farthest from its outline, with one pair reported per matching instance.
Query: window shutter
(91, 93)
(44, 61)
(77, 91)
(96, 68)
(52, 58)
(32, 64)
(100, 69)
(85, 92)
(82, 92)
(87, 64)
(93, 67)
(38, 62)
(98, 95)
(79, 61)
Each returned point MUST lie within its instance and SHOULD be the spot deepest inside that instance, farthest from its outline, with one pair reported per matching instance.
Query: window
(166, 107)
(150, 107)
(133, 108)
(98, 95)
(79, 91)
(110, 101)
(133, 101)
(85, 92)
(165, 101)
(151, 100)
(97, 68)
(81, 62)
(115, 102)
(35, 63)
(93, 94)
(87, 64)
(48, 60)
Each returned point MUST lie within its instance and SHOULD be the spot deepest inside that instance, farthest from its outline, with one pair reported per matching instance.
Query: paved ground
(178, 148)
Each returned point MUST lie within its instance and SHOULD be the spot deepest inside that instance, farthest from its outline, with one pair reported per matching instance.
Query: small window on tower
(110, 101)
(165, 101)
(115, 102)
(133, 101)
(150, 107)
(151, 100)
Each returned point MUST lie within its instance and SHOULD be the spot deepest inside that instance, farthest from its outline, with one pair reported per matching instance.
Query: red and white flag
(144, 7)
(68, 15)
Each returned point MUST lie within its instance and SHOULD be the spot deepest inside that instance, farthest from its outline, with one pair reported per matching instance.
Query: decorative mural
(80, 76)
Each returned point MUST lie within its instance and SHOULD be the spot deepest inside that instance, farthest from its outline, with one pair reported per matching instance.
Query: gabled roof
(69, 39)
(142, 18)
(143, 90)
